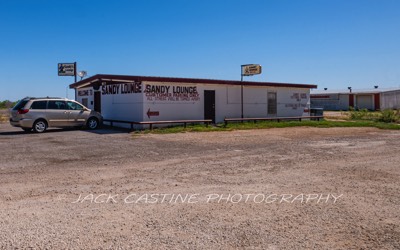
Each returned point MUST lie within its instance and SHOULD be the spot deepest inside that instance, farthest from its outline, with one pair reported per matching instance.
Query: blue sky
(333, 44)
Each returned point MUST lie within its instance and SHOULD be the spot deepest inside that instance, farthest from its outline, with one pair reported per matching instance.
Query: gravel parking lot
(293, 188)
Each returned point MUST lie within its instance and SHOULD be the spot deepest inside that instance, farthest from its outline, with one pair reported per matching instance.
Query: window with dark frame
(57, 105)
(85, 102)
(39, 105)
(272, 103)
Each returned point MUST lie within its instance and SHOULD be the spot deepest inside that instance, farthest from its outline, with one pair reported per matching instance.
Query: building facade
(371, 99)
(139, 98)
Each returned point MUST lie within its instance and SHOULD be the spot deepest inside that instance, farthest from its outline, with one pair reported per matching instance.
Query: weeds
(386, 116)
(270, 124)
(389, 115)
(3, 116)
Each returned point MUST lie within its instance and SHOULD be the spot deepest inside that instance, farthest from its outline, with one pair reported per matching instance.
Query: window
(39, 105)
(56, 105)
(74, 106)
(272, 104)
(85, 102)
(21, 104)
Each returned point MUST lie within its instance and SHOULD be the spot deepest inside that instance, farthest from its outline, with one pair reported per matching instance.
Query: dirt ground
(254, 189)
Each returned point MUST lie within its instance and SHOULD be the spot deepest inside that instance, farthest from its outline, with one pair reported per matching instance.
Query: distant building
(371, 99)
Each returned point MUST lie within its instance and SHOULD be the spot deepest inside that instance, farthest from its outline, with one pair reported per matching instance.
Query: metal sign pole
(75, 70)
(250, 69)
(241, 87)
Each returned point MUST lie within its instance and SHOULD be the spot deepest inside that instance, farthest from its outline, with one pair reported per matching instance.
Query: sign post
(247, 70)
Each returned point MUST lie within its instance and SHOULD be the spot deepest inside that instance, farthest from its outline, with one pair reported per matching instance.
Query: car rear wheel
(92, 123)
(40, 126)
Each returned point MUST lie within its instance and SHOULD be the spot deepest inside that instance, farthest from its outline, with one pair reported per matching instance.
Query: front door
(209, 105)
(97, 101)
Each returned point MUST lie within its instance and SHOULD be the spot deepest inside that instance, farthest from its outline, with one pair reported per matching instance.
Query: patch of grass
(269, 124)
(181, 129)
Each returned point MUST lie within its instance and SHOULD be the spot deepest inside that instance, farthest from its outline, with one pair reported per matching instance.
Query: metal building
(371, 99)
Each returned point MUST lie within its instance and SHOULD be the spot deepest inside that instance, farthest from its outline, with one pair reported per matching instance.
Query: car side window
(39, 105)
(74, 106)
(57, 105)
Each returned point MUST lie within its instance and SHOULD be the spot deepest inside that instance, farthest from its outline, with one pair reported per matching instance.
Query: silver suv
(40, 113)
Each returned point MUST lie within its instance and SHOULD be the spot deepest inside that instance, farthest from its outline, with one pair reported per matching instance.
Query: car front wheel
(40, 126)
(92, 123)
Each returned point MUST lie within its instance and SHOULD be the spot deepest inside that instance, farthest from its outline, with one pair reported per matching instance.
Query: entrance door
(209, 105)
(97, 101)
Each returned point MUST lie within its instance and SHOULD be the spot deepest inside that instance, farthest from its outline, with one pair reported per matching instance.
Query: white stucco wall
(290, 102)
(85, 93)
(167, 105)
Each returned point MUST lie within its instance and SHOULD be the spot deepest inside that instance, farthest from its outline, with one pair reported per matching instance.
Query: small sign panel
(66, 69)
(251, 69)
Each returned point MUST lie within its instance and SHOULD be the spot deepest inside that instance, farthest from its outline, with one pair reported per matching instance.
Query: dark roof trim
(89, 81)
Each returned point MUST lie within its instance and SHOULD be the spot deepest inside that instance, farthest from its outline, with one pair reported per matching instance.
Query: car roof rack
(47, 97)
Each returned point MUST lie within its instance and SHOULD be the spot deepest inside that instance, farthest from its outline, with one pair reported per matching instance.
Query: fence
(150, 123)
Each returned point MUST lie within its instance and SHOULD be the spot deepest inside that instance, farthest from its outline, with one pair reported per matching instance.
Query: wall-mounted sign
(67, 69)
(171, 93)
(152, 113)
(121, 88)
(83, 92)
(251, 69)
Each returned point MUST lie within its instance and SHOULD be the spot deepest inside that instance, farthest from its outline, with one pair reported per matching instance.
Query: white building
(371, 99)
(141, 98)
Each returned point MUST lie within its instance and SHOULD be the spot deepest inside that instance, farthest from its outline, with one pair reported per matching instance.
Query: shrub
(389, 115)
(361, 114)
(6, 104)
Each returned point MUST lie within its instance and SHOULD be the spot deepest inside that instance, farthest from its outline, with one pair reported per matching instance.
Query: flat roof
(100, 77)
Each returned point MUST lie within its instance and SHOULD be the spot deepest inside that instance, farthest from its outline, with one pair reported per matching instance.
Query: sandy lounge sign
(251, 69)
(171, 93)
(67, 69)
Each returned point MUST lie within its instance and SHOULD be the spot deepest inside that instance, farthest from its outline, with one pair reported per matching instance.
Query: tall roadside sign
(248, 70)
(251, 69)
(67, 69)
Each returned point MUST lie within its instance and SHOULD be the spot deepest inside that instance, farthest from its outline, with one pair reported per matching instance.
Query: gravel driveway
(292, 188)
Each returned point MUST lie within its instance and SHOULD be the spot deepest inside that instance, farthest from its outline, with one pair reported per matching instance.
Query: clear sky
(334, 44)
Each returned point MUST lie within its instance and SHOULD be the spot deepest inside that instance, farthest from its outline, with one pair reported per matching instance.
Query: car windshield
(20, 104)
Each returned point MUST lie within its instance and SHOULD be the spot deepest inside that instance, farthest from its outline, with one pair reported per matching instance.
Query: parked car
(38, 114)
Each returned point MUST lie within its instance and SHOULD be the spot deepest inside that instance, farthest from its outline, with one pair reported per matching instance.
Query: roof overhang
(124, 78)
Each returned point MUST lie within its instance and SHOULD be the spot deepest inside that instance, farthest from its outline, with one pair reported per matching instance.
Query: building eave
(102, 77)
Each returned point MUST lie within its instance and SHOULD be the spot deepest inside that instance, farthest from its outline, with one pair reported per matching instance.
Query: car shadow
(104, 130)
(17, 132)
